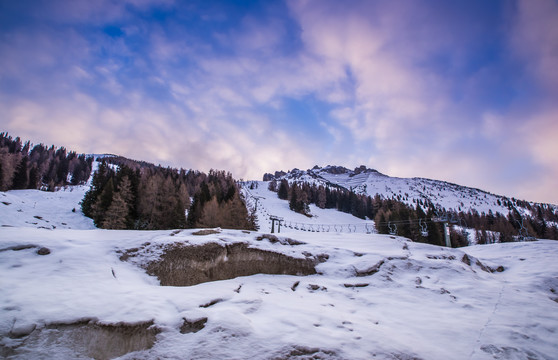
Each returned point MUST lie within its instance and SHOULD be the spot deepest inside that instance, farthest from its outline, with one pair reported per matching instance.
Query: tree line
(24, 166)
(488, 227)
(126, 194)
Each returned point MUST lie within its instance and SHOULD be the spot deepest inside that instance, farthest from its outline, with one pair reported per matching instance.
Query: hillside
(116, 294)
(448, 196)
(415, 207)
(327, 287)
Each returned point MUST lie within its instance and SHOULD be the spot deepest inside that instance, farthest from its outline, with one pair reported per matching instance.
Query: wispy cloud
(462, 91)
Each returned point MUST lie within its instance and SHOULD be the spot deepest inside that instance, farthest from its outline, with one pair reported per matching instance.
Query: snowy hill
(372, 296)
(70, 291)
(409, 190)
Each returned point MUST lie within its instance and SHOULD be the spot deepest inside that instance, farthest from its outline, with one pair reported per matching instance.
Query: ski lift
(423, 228)
(354, 228)
(335, 227)
(328, 228)
(463, 226)
(392, 228)
(368, 231)
(523, 233)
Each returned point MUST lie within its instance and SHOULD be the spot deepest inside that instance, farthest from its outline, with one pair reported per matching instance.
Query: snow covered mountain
(367, 181)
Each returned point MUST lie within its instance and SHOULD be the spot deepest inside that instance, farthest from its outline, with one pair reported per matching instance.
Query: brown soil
(183, 265)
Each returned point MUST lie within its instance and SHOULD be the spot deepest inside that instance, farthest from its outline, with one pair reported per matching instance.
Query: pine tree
(380, 222)
(321, 197)
(103, 202)
(21, 178)
(283, 192)
(178, 215)
(116, 214)
(293, 202)
(272, 185)
(97, 183)
(125, 192)
(33, 178)
(211, 215)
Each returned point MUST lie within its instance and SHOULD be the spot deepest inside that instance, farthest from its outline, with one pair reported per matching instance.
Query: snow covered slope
(92, 293)
(409, 190)
(322, 220)
(44, 209)
(374, 297)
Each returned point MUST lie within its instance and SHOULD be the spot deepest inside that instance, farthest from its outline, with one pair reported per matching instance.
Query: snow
(409, 190)
(422, 302)
(44, 209)
(322, 220)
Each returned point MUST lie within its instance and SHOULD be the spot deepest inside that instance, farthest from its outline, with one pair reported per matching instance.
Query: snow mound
(372, 296)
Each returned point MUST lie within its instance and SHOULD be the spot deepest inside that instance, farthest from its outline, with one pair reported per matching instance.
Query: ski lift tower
(279, 220)
(444, 219)
(523, 234)
(256, 199)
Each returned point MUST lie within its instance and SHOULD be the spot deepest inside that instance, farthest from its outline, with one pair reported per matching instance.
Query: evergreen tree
(272, 185)
(293, 202)
(380, 222)
(283, 192)
(21, 178)
(33, 178)
(97, 183)
(116, 215)
(211, 215)
(321, 197)
(102, 203)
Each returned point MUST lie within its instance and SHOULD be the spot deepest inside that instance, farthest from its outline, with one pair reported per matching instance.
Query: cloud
(535, 37)
(423, 87)
(411, 90)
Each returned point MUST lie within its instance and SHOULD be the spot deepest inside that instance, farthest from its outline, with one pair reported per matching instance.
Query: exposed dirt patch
(274, 239)
(303, 352)
(211, 303)
(87, 339)
(469, 260)
(440, 257)
(192, 326)
(314, 287)
(183, 265)
(19, 247)
(359, 285)
(370, 271)
(206, 232)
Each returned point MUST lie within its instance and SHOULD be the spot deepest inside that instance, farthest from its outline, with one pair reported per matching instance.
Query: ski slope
(321, 220)
(43, 209)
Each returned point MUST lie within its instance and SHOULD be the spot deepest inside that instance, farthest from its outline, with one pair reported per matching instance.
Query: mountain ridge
(366, 181)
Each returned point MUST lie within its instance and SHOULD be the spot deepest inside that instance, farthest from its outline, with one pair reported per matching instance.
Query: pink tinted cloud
(391, 95)
(535, 40)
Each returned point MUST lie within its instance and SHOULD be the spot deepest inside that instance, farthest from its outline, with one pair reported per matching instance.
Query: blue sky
(462, 91)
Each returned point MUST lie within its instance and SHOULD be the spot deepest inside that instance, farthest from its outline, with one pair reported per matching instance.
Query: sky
(461, 91)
